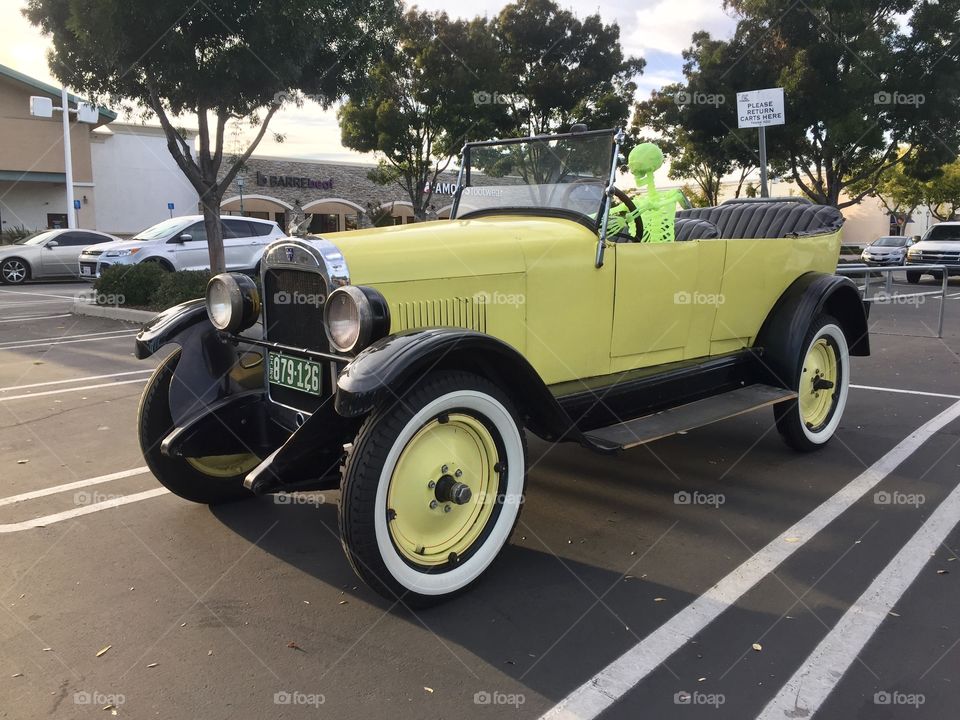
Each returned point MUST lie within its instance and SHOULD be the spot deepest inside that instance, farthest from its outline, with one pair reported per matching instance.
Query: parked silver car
(46, 254)
(890, 250)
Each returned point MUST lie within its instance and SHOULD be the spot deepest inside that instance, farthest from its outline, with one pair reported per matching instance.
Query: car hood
(115, 245)
(8, 250)
(452, 248)
(937, 246)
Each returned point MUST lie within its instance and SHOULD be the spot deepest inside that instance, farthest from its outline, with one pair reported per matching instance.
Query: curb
(114, 313)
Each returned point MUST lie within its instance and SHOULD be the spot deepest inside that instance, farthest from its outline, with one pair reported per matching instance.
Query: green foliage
(13, 233)
(943, 192)
(861, 80)
(148, 286)
(130, 285)
(219, 60)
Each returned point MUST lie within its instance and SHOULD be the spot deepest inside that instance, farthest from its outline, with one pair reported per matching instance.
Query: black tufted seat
(694, 229)
(773, 219)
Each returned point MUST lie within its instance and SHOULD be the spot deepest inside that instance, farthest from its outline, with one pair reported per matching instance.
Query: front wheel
(14, 271)
(809, 422)
(210, 480)
(913, 276)
(432, 488)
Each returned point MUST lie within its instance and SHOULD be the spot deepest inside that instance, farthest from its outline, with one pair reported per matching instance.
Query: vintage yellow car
(403, 365)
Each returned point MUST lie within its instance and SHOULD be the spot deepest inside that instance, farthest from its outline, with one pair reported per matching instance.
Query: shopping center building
(125, 180)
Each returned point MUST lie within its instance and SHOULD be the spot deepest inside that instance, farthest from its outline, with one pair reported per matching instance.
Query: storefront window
(325, 223)
(351, 222)
(281, 220)
(56, 221)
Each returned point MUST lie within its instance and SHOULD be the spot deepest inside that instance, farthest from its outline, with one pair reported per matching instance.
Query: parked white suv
(939, 246)
(181, 244)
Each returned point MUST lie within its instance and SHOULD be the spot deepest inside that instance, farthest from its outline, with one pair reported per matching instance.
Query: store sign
(760, 108)
(442, 188)
(293, 181)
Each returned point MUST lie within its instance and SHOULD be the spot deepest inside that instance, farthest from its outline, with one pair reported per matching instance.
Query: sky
(657, 30)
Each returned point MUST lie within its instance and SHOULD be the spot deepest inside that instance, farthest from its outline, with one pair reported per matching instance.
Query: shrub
(178, 287)
(149, 286)
(129, 285)
(11, 234)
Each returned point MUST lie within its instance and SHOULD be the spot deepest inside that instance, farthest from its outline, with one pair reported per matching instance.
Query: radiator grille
(293, 302)
(468, 313)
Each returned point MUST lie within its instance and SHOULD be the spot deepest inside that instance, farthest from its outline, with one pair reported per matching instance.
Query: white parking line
(85, 510)
(610, 684)
(34, 317)
(31, 302)
(72, 389)
(68, 342)
(812, 683)
(63, 337)
(43, 492)
(906, 392)
(74, 380)
(37, 294)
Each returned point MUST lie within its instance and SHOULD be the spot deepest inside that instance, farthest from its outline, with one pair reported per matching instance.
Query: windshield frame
(955, 235)
(597, 223)
(38, 238)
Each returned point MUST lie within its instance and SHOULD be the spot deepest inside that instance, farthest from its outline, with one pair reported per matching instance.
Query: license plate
(86, 271)
(295, 373)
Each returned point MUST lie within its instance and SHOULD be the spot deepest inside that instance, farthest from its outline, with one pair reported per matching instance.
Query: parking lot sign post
(170, 208)
(760, 109)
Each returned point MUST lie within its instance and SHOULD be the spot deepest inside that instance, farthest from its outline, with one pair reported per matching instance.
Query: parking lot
(713, 574)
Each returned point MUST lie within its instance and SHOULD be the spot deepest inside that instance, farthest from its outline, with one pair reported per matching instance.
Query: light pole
(240, 183)
(43, 107)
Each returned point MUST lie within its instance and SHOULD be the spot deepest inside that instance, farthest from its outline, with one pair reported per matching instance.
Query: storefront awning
(44, 177)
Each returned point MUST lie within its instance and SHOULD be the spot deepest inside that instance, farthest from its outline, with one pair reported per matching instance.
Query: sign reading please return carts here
(760, 108)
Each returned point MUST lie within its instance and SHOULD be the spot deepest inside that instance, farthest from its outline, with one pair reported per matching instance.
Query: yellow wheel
(225, 466)
(808, 422)
(432, 488)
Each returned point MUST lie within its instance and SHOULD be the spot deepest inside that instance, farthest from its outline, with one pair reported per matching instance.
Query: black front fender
(165, 327)
(786, 326)
(383, 371)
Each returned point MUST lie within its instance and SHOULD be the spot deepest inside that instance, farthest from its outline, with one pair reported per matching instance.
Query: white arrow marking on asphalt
(820, 673)
(43, 492)
(77, 512)
(619, 677)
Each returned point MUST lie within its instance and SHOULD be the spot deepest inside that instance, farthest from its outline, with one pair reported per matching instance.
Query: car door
(192, 253)
(60, 253)
(240, 244)
(665, 301)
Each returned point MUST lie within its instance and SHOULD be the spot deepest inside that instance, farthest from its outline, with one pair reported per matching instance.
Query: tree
(943, 192)
(428, 91)
(859, 85)
(219, 60)
(559, 70)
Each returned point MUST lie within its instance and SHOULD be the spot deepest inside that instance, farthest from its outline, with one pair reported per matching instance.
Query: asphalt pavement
(714, 574)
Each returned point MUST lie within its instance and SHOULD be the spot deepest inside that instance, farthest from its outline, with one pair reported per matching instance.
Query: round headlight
(233, 303)
(354, 317)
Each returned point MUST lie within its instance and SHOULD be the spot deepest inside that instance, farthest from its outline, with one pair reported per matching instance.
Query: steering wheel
(628, 203)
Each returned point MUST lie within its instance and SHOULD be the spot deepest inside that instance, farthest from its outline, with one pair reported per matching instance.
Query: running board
(687, 417)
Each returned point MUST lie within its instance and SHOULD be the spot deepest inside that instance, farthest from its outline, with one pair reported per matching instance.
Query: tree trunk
(210, 201)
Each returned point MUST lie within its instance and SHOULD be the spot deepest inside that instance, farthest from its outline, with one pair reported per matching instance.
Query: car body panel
(60, 260)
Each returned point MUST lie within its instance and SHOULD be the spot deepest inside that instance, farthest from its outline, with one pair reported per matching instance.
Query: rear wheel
(809, 422)
(14, 271)
(432, 489)
(209, 480)
(913, 276)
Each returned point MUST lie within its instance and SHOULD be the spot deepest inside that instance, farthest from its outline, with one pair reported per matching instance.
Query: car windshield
(36, 239)
(566, 173)
(943, 232)
(160, 230)
(890, 242)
